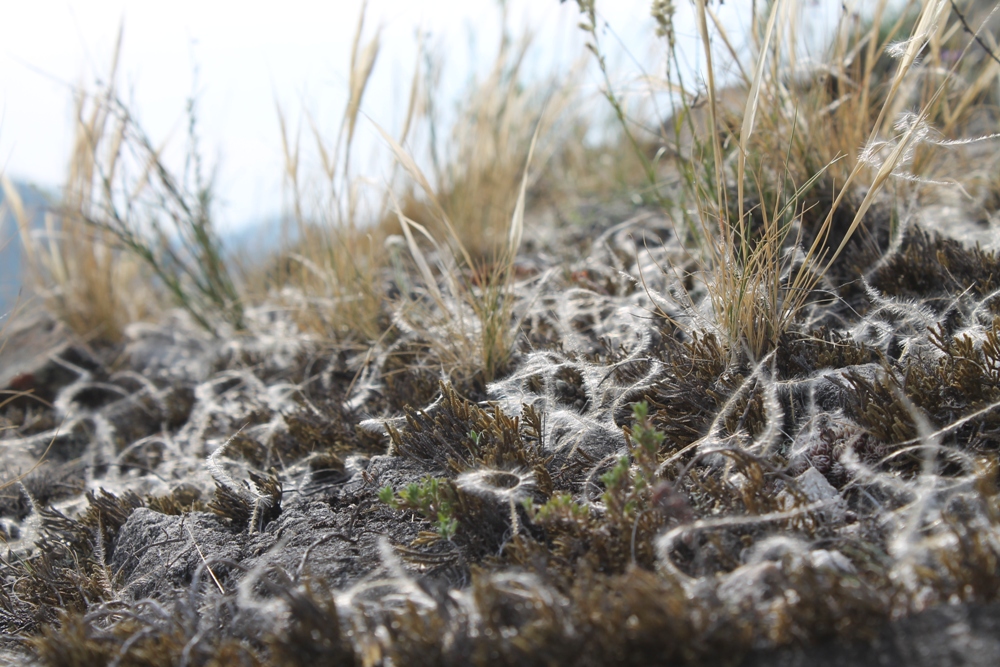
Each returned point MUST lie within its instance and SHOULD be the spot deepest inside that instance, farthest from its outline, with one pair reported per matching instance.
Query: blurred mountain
(35, 201)
(248, 244)
(255, 242)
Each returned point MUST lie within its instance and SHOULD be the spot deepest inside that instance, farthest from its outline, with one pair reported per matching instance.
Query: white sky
(249, 55)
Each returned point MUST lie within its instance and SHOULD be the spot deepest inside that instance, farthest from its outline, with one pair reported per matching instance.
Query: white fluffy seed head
(497, 484)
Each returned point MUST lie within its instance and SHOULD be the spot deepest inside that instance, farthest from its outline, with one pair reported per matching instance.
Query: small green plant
(559, 506)
(621, 491)
(432, 498)
(646, 440)
(627, 490)
(387, 496)
(615, 535)
(446, 526)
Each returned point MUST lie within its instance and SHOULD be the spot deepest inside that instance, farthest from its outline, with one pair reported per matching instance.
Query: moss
(131, 642)
(325, 429)
(313, 633)
(800, 355)
(460, 435)
(685, 400)
(68, 570)
(696, 534)
(952, 385)
(252, 507)
(182, 500)
(936, 268)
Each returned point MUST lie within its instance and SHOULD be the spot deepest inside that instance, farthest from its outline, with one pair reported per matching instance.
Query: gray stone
(156, 554)
(38, 356)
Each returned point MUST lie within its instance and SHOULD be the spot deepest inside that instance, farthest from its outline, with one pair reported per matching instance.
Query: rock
(336, 546)
(38, 356)
(173, 351)
(772, 566)
(816, 489)
(332, 539)
(156, 555)
(752, 584)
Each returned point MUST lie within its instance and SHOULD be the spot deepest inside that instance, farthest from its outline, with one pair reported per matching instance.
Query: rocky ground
(274, 499)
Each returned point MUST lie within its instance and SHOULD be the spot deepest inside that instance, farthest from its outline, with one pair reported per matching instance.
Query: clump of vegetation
(433, 498)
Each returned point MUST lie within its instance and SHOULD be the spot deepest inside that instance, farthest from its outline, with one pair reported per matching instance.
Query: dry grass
(334, 266)
(470, 323)
(470, 219)
(480, 169)
(767, 166)
(128, 231)
(461, 226)
(74, 268)
(801, 146)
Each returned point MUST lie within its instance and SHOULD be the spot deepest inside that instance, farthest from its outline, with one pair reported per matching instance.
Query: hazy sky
(248, 56)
